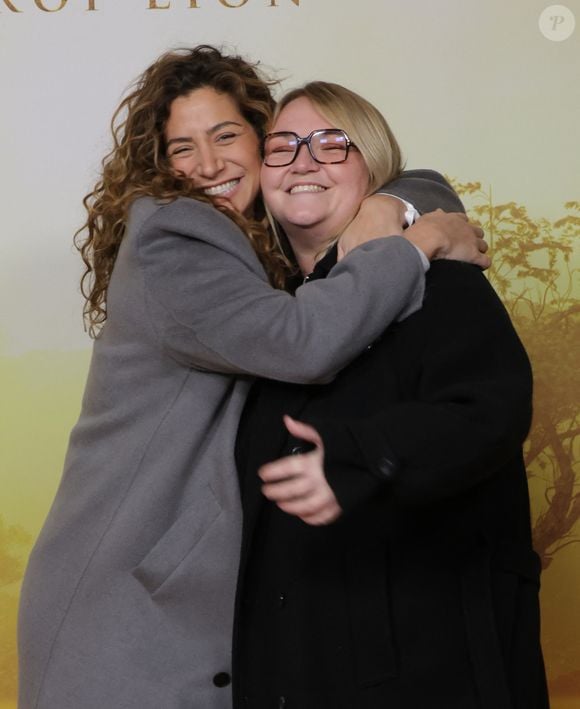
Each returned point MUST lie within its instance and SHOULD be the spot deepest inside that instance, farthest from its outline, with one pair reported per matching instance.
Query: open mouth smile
(221, 189)
(306, 188)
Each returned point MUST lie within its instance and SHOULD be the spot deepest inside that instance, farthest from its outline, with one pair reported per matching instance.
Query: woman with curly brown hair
(128, 598)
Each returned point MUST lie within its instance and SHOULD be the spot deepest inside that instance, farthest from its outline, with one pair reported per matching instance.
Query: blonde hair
(364, 124)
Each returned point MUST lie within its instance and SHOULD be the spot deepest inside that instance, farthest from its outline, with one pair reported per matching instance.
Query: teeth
(220, 189)
(307, 188)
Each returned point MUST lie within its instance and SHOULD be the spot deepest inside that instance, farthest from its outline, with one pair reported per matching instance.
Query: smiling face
(209, 140)
(312, 202)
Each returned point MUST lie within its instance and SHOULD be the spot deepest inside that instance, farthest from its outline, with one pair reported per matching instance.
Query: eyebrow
(211, 131)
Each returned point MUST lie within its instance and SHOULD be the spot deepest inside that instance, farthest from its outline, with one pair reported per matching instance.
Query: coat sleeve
(212, 308)
(427, 190)
(472, 408)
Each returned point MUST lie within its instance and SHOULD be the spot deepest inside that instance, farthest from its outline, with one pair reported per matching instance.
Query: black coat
(424, 594)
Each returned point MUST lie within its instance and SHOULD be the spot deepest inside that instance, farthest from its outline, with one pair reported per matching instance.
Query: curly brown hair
(138, 166)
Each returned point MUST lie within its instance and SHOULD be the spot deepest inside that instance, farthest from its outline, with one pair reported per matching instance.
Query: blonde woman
(387, 557)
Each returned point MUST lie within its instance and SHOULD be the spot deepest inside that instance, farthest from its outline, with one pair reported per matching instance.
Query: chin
(304, 221)
(241, 208)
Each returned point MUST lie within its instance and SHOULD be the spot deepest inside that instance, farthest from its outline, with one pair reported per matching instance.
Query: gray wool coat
(128, 598)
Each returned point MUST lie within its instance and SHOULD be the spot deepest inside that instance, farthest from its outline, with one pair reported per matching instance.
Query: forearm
(466, 413)
(212, 308)
(426, 190)
(438, 234)
(422, 452)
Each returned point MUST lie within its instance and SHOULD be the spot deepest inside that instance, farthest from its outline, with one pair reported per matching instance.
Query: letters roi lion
(94, 5)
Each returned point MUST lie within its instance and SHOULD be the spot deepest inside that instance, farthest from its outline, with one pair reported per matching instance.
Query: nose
(209, 163)
(304, 162)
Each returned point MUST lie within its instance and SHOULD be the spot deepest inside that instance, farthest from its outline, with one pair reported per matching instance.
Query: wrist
(393, 228)
(390, 209)
(426, 241)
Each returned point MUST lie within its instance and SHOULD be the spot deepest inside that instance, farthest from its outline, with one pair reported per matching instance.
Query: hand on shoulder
(444, 235)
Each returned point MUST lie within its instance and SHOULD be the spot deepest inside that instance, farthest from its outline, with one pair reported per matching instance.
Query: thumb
(298, 429)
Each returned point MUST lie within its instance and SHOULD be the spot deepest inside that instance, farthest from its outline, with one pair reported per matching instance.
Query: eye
(332, 143)
(226, 138)
(278, 144)
(181, 151)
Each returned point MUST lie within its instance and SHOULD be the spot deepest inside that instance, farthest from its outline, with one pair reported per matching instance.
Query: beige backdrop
(473, 89)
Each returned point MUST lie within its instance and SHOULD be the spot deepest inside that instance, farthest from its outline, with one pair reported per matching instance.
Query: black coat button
(222, 679)
(386, 467)
(304, 447)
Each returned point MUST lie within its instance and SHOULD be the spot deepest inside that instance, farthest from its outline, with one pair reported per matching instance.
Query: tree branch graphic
(533, 273)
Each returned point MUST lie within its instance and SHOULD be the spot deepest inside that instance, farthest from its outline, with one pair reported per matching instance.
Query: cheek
(256, 169)
(355, 184)
(181, 165)
(251, 158)
(267, 181)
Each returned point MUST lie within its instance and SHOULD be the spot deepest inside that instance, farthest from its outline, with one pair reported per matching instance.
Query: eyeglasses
(327, 146)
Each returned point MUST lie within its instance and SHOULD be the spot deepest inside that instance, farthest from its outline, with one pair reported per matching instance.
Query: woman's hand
(439, 234)
(379, 215)
(297, 483)
(446, 235)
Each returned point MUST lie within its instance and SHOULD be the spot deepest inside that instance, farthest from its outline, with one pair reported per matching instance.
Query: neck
(308, 247)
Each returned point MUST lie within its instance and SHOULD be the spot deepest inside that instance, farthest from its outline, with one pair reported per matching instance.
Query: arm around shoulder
(212, 307)
(426, 190)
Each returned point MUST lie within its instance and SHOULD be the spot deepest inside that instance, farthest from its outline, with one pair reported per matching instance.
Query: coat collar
(324, 266)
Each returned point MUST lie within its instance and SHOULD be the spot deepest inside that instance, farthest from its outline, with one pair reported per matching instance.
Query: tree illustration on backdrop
(533, 273)
(14, 543)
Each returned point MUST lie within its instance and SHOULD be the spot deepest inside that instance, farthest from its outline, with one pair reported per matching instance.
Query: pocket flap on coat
(178, 542)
